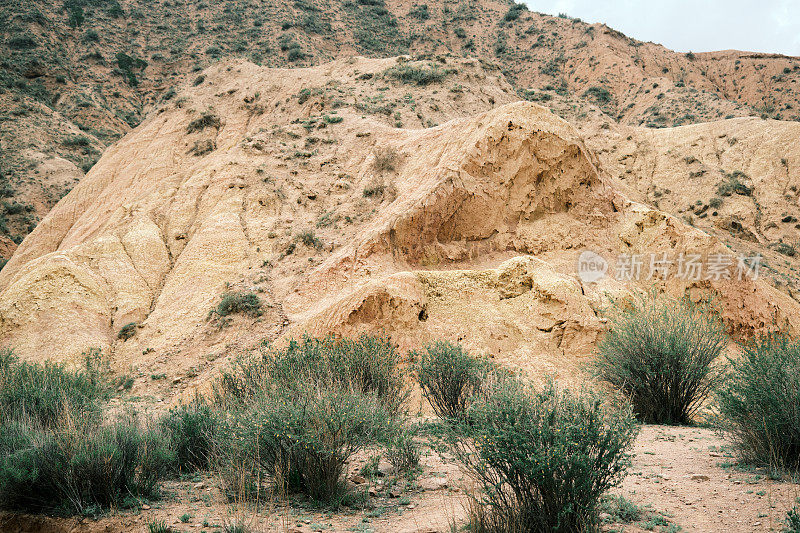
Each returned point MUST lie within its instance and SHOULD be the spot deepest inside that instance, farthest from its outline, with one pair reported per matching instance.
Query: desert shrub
(127, 331)
(375, 189)
(76, 141)
(733, 184)
(791, 523)
(206, 120)
(298, 414)
(302, 436)
(190, 431)
(202, 147)
(419, 12)
(309, 238)
(418, 74)
(601, 95)
(368, 365)
(541, 459)
(660, 352)
(514, 12)
(385, 159)
(247, 303)
(759, 402)
(785, 249)
(127, 64)
(79, 467)
(402, 450)
(450, 377)
(44, 392)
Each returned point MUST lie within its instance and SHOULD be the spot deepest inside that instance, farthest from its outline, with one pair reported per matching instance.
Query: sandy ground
(685, 476)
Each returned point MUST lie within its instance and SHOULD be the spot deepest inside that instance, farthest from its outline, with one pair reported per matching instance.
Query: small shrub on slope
(246, 303)
(418, 74)
(661, 353)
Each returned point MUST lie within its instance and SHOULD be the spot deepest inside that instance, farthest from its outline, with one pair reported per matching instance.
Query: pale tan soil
(684, 474)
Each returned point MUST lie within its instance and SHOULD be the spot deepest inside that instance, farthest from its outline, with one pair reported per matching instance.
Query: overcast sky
(693, 25)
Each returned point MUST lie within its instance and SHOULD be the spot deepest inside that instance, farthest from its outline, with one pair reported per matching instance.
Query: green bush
(402, 450)
(298, 414)
(44, 393)
(206, 120)
(368, 365)
(759, 403)
(246, 303)
(791, 523)
(419, 75)
(542, 460)
(127, 331)
(80, 467)
(190, 430)
(301, 437)
(660, 352)
(308, 238)
(450, 377)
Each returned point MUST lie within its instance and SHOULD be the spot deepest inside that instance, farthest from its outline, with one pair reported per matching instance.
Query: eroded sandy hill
(75, 77)
(279, 181)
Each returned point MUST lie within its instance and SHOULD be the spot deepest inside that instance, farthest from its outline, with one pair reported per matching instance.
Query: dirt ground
(685, 479)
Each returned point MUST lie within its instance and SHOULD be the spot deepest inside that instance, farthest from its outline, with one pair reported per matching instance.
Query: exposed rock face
(468, 230)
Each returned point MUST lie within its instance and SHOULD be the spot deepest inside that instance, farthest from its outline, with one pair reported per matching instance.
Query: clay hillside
(77, 75)
(366, 266)
(295, 185)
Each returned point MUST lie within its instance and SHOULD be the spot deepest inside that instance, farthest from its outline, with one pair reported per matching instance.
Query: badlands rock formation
(276, 181)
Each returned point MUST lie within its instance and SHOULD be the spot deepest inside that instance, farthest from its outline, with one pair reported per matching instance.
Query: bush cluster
(419, 75)
(45, 393)
(298, 415)
(246, 303)
(665, 355)
(58, 453)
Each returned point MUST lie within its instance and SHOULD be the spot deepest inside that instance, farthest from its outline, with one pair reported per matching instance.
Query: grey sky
(696, 25)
